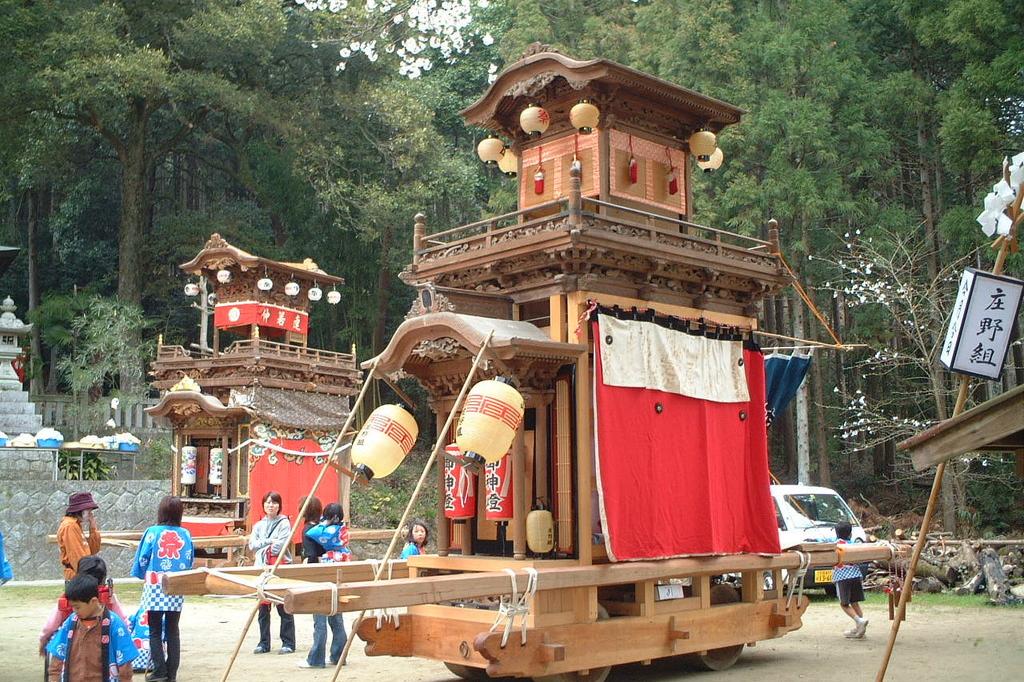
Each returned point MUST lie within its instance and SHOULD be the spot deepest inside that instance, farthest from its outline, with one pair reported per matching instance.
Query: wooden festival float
(250, 412)
(626, 328)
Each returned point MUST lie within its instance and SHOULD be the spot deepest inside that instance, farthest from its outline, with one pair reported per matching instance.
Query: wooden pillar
(541, 452)
(176, 464)
(225, 445)
(773, 235)
(519, 494)
(575, 200)
(443, 539)
(559, 329)
(419, 233)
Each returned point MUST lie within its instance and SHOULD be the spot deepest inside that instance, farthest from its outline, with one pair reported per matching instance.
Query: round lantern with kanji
(386, 438)
(490, 417)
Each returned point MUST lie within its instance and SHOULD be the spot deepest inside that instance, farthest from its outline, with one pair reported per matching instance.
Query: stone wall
(32, 509)
(25, 465)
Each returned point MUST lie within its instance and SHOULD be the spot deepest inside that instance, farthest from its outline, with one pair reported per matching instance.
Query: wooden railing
(263, 347)
(573, 209)
(56, 412)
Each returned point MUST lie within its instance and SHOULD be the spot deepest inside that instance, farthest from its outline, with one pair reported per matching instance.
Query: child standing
(93, 644)
(92, 565)
(849, 586)
(271, 536)
(164, 547)
(415, 539)
(323, 543)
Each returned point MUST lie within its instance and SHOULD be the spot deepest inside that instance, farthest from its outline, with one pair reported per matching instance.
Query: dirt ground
(938, 642)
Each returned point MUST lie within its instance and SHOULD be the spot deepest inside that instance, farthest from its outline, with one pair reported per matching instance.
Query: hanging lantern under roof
(315, 293)
(292, 288)
(534, 120)
(212, 299)
(385, 439)
(223, 276)
(191, 289)
(702, 144)
(509, 163)
(265, 284)
(490, 417)
(714, 162)
(585, 116)
(489, 150)
(334, 297)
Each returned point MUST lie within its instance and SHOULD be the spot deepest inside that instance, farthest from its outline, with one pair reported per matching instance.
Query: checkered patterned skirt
(155, 599)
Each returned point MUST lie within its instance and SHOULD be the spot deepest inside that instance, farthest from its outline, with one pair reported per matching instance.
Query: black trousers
(287, 626)
(161, 624)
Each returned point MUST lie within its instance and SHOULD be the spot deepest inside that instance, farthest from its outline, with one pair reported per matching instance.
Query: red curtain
(292, 479)
(690, 478)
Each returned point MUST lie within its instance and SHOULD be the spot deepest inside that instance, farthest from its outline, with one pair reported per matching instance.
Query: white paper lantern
(211, 299)
(191, 289)
(292, 288)
(223, 276)
(265, 284)
(315, 294)
(333, 297)
(387, 436)
(189, 459)
(216, 466)
(702, 144)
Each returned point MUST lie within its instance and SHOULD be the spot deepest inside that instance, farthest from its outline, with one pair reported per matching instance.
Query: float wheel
(723, 657)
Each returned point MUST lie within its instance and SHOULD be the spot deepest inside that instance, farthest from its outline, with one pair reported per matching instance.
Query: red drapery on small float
(680, 475)
(290, 475)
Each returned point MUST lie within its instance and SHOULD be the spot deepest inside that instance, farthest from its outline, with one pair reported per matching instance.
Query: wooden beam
(197, 581)
(435, 589)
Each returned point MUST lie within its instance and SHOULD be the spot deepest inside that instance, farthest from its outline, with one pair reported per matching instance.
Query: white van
(807, 513)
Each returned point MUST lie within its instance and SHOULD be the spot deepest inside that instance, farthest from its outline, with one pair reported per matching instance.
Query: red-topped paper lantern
(459, 487)
(498, 490)
(490, 417)
(385, 439)
(534, 120)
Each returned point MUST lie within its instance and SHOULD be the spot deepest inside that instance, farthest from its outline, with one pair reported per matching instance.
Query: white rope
(516, 606)
(793, 579)
(386, 614)
(277, 448)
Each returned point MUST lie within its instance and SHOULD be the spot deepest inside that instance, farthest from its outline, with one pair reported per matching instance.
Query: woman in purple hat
(70, 535)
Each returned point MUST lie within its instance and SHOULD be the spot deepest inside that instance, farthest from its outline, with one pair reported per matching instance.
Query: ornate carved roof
(218, 253)
(293, 409)
(548, 76)
(440, 336)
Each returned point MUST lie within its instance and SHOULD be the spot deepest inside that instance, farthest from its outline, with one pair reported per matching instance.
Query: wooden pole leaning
(302, 511)
(442, 436)
(940, 471)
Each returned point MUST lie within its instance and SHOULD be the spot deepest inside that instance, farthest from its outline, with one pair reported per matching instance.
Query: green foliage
(84, 465)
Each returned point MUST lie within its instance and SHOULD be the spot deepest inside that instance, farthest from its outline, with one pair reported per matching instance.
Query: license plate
(823, 576)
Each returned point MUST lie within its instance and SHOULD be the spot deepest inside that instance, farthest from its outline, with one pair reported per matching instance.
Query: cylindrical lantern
(702, 144)
(189, 458)
(509, 163)
(673, 182)
(534, 120)
(713, 163)
(216, 466)
(191, 289)
(459, 487)
(538, 180)
(292, 288)
(540, 531)
(490, 416)
(333, 297)
(265, 284)
(584, 116)
(634, 170)
(489, 150)
(315, 293)
(498, 490)
(223, 276)
(383, 442)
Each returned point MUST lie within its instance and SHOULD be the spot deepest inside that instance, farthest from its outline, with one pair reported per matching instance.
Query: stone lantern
(12, 333)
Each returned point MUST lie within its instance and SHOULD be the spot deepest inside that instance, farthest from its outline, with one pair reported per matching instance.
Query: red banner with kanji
(291, 476)
(680, 475)
(228, 315)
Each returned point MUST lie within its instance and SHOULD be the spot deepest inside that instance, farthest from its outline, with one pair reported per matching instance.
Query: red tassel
(673, 182)
(634, 171)
(538, 181)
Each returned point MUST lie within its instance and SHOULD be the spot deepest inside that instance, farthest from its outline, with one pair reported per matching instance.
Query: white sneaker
(861, 628)
(851, 633)
(307, 665)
